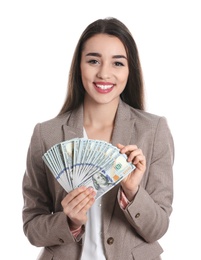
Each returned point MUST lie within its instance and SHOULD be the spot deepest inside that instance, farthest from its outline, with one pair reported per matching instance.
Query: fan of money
(86, 162)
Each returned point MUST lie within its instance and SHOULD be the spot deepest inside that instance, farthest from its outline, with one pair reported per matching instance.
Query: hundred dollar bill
(81, 161)
(104, 180)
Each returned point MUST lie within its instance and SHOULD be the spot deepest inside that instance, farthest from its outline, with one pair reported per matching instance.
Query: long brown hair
(133, 93)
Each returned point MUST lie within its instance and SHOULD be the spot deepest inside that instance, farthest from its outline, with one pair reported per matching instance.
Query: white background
(37, 40)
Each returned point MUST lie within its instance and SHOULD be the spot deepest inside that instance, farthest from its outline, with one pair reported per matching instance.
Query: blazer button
(137, 215)
(61, 240)
(110, 240)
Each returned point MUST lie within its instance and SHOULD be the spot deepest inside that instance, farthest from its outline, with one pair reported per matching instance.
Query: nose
(104, 72)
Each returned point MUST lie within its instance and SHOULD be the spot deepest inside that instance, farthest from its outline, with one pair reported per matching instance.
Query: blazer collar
(124, 124)
(123, 127)
(74, 126)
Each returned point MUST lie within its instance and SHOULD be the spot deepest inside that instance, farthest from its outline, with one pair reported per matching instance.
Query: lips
(104, 87)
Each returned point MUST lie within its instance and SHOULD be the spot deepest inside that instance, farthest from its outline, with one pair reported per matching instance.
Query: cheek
(86, 73)
(123, 76)
(123, 81)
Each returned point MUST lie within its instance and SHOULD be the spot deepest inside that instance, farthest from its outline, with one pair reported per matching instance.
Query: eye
(93, 62)
(118, 64)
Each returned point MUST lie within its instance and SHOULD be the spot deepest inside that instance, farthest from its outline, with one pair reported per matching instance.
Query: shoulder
(142, 117)
(150, 122)
(51, 130)
(152, 129)
(152, 126)
(139, 122)
(72, 118)
(56, 121)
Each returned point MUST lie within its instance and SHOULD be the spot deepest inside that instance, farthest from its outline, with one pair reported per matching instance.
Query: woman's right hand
(76, 204)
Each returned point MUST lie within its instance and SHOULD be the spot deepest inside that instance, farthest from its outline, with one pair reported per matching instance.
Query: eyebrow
(96, 54)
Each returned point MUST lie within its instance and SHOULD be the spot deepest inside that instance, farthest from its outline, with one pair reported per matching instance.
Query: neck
(100, 116)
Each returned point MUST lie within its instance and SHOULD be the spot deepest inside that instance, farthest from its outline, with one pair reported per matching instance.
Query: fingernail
(90, 189)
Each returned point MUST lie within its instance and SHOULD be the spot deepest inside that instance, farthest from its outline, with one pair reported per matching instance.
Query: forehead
(104, 43)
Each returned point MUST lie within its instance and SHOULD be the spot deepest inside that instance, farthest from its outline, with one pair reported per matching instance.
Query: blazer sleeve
(150, 210)
(41, 225)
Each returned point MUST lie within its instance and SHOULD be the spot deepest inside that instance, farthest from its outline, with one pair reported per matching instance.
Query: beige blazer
(127, 234)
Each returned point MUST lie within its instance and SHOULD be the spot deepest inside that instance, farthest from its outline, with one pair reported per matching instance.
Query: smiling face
(104, 69)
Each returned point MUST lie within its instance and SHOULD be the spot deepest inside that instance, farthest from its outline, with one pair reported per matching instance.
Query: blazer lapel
(124, 125)
(122, 133)
(74, 126)
(108, 204)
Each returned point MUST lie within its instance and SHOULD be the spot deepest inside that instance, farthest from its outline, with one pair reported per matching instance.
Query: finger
(86, 206)
(74, 193)
(85, 203)
(128, 148)
(76, 196)
(133, 154)
(78, 217)
(139, 159)
(82, 207)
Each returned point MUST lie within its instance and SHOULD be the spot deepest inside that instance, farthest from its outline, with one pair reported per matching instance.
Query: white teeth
(104, 86)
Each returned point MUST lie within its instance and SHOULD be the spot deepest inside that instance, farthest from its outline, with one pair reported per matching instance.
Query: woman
(105, 101)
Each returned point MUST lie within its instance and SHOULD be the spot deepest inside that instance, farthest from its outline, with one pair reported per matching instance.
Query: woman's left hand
(130, 184)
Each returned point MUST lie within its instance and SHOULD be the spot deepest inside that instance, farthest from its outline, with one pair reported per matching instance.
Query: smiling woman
(104, 68)
(105, 101)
